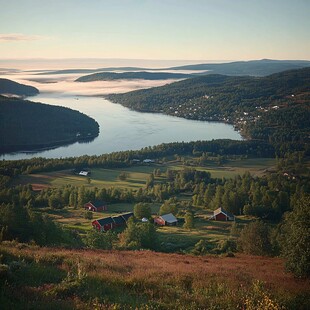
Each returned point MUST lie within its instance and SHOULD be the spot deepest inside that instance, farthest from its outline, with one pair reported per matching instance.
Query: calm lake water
(122, 129)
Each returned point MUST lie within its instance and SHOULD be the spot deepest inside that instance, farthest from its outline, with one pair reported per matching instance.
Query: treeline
(26, 125)
(243, 101)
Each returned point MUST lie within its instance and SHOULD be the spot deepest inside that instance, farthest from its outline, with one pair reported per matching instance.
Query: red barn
(103, 224)
(111, 222)
(96, 206)
(221, 215)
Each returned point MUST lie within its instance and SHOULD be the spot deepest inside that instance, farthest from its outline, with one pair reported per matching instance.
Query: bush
(255, 239)
(99, 240)
(295, 240)
(142, 210)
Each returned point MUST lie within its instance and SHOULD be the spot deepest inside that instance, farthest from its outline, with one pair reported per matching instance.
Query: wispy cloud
(11, 37)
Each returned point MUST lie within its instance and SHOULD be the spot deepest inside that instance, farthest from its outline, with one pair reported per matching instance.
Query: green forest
(26, 125)
(273, 108)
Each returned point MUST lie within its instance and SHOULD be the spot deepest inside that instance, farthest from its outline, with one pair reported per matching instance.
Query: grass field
(52, 278)
(137, 175)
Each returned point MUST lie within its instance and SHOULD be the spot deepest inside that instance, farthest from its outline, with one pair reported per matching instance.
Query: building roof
(97, 203)
(169, 218)
(126, 216)
(84, 173)
(105, 221)
(119, 220)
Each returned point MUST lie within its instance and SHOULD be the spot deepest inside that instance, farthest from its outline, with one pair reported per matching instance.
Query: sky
(155, 29)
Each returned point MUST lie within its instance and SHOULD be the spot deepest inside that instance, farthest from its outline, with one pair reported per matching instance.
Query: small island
(141, 75)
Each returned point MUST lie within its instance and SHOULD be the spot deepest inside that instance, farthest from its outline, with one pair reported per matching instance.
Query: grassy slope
(132, 280)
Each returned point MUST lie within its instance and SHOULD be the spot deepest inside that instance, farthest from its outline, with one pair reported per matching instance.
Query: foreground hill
(33, 277)
(142, 75)
(273, 108)
(27, 125)
(14, 88)
(261, 67)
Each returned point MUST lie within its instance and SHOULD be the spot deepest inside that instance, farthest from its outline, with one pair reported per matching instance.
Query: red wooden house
(111, 222)
(221, 215)
(96, 206)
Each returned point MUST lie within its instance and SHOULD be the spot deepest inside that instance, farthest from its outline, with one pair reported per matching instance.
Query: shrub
(255, 239)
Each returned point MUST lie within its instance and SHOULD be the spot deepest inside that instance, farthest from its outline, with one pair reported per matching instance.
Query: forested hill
(14, 88)
(247, 102)
(26, 125)
(141, 75)
(261, 67)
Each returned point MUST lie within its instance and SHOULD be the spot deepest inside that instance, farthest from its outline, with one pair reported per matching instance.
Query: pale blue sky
(155, 29)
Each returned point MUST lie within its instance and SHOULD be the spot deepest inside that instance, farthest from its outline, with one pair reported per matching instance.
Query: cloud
(11, 37)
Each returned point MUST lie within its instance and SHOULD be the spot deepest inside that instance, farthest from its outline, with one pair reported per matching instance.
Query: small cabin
(166, 220)
(222, 215)
(84, 173)
(96, 206)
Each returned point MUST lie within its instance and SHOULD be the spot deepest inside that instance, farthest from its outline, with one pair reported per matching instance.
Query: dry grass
(163, 279)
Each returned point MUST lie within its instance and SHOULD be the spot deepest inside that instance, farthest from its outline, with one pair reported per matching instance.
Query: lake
(123, 129)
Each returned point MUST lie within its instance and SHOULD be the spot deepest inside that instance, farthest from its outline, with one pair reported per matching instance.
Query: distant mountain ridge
(261, 67)
(142, 75)
(14, 88)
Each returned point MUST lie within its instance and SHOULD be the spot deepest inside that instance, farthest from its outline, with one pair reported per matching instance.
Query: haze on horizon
(161, 29)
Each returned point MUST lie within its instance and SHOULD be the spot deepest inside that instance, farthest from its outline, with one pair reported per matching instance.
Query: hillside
(142, 75)
(14, 88)
(88, 279)
(247, 102)
(27, 125)
(261, 67)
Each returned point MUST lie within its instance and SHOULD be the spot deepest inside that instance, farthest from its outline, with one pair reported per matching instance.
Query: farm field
(137, 175)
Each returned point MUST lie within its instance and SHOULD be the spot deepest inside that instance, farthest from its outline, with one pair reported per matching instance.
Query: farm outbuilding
(111, 222)
(96, 206)
(166, 219)
(222, 215)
